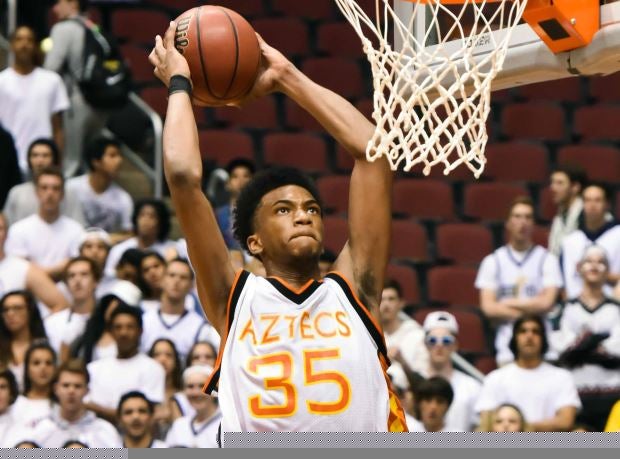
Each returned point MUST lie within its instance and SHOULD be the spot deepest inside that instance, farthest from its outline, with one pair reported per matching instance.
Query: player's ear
(255, 245)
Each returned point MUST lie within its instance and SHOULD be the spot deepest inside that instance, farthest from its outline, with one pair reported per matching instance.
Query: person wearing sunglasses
(441, 331)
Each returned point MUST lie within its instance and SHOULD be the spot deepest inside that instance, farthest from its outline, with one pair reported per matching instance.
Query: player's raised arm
(365, 256)
(183, 170)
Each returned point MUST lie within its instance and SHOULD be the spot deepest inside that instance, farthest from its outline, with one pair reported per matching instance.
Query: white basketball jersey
(305, 360)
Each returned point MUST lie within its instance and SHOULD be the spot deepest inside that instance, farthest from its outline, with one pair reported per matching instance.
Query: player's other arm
(365, 255)
(183, 170)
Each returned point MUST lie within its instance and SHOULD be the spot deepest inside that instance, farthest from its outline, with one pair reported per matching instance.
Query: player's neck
(594, 224)
(146, 240)
(592, 296)
(38, 393)
(203, 414)
(435, 427)
(72, 415)
(24, 68)
(529, 363)
(444, 370)
(99, 181)
(296, 277)
(391, 326)
(124, 355)
(85, 306)
(168, 306)
(49, 216)
(520, 245)
(139, 442)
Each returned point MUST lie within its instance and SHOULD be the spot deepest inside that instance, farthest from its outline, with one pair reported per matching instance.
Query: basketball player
(299, 352)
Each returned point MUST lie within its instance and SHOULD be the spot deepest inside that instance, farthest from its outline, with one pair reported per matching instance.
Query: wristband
(180, 83)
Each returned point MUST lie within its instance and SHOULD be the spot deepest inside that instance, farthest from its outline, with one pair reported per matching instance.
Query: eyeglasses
(443, 340)
(5, 311)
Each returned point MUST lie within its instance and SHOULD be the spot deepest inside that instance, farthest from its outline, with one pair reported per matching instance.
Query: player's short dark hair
(134, 394)
(48, 143)
(183, 261)
(74, 442)
(24, 443)
(521, 200)
(574, 172)
(51, 170)
(435, 387)
(9, 377)
(94, 268)
(241, 162)
(132, 311)
(74, 365)
(601, 186)
(517, 325)
(163, 216)
(96, 149)
(13, 34)
(263, 182)
(395, 285)
(131, 257)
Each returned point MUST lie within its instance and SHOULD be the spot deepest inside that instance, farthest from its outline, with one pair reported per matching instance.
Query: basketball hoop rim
(454, 2)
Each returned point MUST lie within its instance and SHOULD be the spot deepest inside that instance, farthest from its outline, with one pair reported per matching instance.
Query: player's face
(177, 281)
(81, 281)
(5, 395)
(193, 390)
(594, 203)
(135, 418)
(111, 161)
(24, 45)
(70, 390)
(529, 340)
(96, 250)
(561, 189)
(40, 157)
(147, 222)
(288, 225)
(520, 224)
(153, 270)
(41, 367)
(239, 177)
(126, 333)
(164, 354)
(15, 313)
(391, 304)
(507, 419)
(433, 411)
(50, 192)
(203, 354)
(593, 269)
(440, 344)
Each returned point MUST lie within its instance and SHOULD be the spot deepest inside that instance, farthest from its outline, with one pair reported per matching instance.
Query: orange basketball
(222, 51)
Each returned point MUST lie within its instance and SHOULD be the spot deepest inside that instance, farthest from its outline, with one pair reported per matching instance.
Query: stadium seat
(605, 88)
(157, 98)
(486, 364)
(599, 161)
(409, 241)
(334, 191)
(408, 280)
(139, 26)
(344, 161)
(298, 118)
(563, 90)
(546, 207)
(287, 35)
(490, 201)
(258, 114)
(137, 58)
(335, 233)
(244, 7)
(540, 235)
(339, 39)
(452, 286)
(463, 243)
(534, 121)
(617, 211)
(516, 161)
(223, 146)
(423, 198)
(344, 76)
(597, 122)
(305, 151)
(316, 9)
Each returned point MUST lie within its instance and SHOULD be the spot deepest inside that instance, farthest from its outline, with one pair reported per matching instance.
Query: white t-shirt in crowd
(29, 413)
(22, 202)
(13, 273)
(209, 334)
(28, 103)
(154, 305)
(43, 243)
(187, 433)
(64, 327)
(409, 338)
(183, 404)
(110, 378)
(514, 274)
(574, 246)
(181, 329)
(132, 243)
(94, 432)
(539, 392)
(110, 210)
(462, 416)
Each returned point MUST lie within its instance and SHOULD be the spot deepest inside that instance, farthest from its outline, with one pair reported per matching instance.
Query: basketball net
(431, 99)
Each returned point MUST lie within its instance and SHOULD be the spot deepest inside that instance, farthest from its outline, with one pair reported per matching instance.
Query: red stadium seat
(540, 235)
(137, 58)
(305, 151)
(157, 98)
(344, 76)
(600, 162)
(463, 243)
(316, 9)
(490, 201)
(452, 286)
(516, 161)
(409, 241)
(298, 118)
(408, 280)
(334, 191)
(344, 161)
(223, 146)
(597, 122)
(423, 198)
(535, 121)
(243, 7)
(486, 364)
(287, 35)
(335, 233)
(605, 88)
(139, 25)
(563, 90)
(259, 114)
(546, 208)
(339, 39)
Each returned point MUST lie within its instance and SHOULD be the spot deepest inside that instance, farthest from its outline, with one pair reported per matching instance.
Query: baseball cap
(203, 370)
(441, 319)
(95, 233)
(127, 292)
